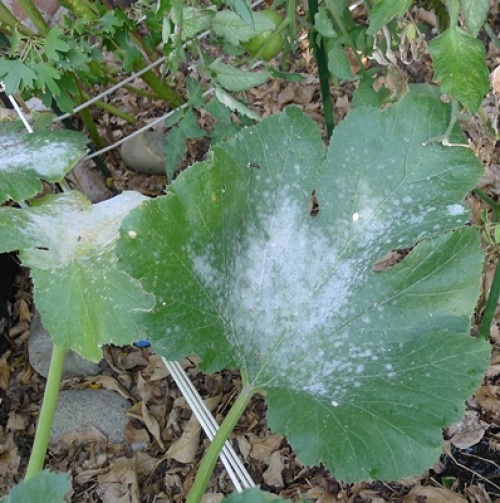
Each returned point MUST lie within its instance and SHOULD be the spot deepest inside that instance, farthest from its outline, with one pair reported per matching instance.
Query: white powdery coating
(71, 228)
(48, 160)
(288, 299)
(455, 210)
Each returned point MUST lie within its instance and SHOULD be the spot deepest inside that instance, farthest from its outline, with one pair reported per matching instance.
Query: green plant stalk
(80, 8)
(487, 199)
(36, 17)
(135, 90)
(324, 75)
(42, 435)
(112, 109)
(491, 304)
(208, 462)
(91, 128)
(173, 99)
(10, 21)
(494, 38)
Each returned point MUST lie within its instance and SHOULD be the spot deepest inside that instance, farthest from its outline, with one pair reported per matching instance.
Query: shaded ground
(160, 419)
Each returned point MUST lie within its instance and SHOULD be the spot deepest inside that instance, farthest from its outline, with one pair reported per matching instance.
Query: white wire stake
(233, 464)
(142, 129)
(17, 108)
(111, 89)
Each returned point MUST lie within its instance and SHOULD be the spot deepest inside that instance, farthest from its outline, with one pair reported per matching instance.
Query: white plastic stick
(17, 108)
(111, 89)
(233, 464)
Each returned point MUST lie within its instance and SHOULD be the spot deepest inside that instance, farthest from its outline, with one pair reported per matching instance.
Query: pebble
(40, 351)
(145, 153)
(79, 410)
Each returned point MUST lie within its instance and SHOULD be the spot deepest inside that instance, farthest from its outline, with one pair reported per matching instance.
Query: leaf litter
(162, 480)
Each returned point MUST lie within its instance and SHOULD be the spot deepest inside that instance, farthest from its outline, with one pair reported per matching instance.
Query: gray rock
(89, 181)
(40, 351)
(145, 153)
(79, 410)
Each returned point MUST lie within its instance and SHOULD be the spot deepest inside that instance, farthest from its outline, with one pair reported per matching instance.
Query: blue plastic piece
(144, 343)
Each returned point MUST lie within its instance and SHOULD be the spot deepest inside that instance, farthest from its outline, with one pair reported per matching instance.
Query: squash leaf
(361, 369)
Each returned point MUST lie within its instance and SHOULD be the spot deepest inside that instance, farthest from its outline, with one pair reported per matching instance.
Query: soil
(159, 414)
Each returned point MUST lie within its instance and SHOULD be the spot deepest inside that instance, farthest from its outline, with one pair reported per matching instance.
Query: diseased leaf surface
(25, 159)
(361, 369)
(84, 299)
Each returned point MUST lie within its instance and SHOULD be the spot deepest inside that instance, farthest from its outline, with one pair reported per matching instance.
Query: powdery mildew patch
(288, 299)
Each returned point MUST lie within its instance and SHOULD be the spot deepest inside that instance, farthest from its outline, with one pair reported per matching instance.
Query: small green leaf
(246, 277)
(460, 67)
(47, 76)
(192, 20)
(44, 487)
(365, 95)
(16, 75)
(84, 299)
(189, 126)
(54, 43)
(290, 77)
(110, 21)
(235, 105)
(25, 159)
(337, 7)
(219, 111)
(229, 25)
(234, 79)
(175, 148)
(338, 62)
(322, 23)
(385, 11)
(475, 12)
(243, 10)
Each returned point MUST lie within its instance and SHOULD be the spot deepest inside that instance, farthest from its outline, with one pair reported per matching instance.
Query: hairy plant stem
(173, 99)
(491, 304)
(10, 22)
(487, 199)
(111, 109)
(42, 435)
(35, 15)
(135, 90)
(323, 72)
(208, 462)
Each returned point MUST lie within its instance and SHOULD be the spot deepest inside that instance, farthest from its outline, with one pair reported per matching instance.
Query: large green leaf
(253, 495)
(44, 487)
(361, 369)
(84, 299)
(25, 159)
(460, 67)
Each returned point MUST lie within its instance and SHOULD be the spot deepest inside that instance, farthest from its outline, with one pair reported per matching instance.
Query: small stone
(145, 153)
(40, 351)
(79, 410)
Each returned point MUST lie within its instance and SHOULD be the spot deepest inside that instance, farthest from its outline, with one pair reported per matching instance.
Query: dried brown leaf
(263, 447)
(273, 476)
(430, 494)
